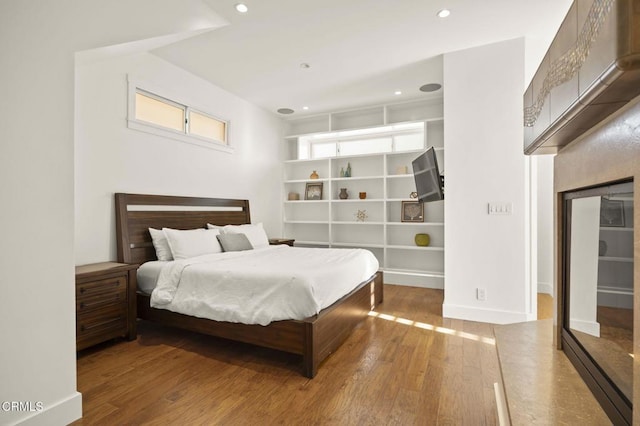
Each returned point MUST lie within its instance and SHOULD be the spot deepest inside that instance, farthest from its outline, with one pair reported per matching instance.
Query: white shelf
(304, 160)
(309, 222)
(404, 176)
(616, 259)
(361, 245)
(307, 201)
(332, 222)
(357, 200)
(354, 222)
(306, 180)
(343, 179)
(415, 223)
(427, 248)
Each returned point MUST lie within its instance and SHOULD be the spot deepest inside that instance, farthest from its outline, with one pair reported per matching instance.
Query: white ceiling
(359, 51)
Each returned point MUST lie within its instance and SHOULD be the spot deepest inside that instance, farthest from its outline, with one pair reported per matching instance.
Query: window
(365, 146)
(323, 150)
(151, 112)
(162, 112)
(398, 138)
(207, 127)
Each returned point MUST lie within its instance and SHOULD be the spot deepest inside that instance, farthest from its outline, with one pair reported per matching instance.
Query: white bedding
(263, 285)
(147, 275)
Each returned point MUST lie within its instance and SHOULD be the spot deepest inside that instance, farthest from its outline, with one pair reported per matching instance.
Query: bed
(313, 338)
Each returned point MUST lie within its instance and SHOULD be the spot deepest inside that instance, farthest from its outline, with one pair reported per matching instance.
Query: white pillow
(192, 242)
(210, 226)
(255, 233)
(160, 243)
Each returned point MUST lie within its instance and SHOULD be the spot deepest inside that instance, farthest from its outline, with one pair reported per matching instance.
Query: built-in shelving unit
(615, 262)
(387, 180)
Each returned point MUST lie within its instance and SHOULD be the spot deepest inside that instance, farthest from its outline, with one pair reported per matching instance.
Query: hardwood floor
(545, 306)
(406, 365)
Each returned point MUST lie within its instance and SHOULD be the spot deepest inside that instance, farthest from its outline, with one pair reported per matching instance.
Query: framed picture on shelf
(313, 191)
(412, 211)
(612, 213)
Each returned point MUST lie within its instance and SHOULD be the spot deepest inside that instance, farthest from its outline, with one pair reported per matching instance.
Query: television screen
(429, 183)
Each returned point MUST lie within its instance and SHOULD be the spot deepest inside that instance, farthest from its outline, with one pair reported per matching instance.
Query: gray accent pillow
(234, 242)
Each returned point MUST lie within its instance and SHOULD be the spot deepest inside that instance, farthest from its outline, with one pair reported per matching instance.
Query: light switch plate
(500, 208)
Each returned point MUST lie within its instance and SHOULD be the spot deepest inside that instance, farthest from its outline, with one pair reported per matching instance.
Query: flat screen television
(429, 182)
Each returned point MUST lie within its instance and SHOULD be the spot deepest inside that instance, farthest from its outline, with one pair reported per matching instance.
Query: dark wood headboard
(135, 213)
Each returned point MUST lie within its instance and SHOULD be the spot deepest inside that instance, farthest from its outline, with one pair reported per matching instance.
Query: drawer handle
(84, 305)
(113, 284)
(100, 324)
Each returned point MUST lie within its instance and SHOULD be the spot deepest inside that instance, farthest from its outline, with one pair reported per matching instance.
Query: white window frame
(156, 92)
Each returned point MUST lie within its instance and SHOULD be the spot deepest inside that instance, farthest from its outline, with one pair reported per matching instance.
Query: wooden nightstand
(278, 241)
(105, 302)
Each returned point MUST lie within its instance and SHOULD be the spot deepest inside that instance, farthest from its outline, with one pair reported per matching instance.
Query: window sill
(178, 136)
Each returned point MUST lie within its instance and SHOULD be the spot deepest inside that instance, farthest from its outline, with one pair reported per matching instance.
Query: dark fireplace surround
(606, 155)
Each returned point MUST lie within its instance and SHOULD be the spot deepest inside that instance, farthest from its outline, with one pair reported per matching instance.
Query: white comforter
(261, 286)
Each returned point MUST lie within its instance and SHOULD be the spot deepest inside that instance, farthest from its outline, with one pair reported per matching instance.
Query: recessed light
(242, 8)
(431, 87)
(305, 65)
(397, 92)
(305, 108)
(286, 111)
(443, 13)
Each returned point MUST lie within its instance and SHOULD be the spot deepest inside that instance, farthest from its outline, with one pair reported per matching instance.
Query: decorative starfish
(361, 215)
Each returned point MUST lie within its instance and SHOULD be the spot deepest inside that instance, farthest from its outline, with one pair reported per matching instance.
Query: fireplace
(583, 103)
(598, 261)
(597, 290)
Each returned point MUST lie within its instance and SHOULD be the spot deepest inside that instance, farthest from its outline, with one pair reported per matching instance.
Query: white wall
(37, 306)
(485, 163)
(544, 193)
(109, 157)
(583, 270)
(37, 309)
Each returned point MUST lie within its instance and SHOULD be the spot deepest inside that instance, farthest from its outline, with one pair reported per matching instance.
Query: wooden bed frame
(315, 338)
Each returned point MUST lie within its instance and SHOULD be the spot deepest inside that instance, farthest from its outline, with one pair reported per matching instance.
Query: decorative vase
(362, 195)
(602, 248)
(343, 194)
(422, 240)
(314, 175)
(348, 172)
(341, 171)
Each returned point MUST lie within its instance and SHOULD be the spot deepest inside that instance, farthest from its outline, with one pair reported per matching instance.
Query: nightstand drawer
(108, 320)
(86, 303)
(108, 286)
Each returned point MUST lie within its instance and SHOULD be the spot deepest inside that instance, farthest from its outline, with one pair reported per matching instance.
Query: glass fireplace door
(597, 325)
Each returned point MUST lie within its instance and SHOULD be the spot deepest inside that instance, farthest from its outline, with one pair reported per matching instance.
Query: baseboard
(411, 280)
(588, 327)
(60, 413)
(546, 288)
(493, 316)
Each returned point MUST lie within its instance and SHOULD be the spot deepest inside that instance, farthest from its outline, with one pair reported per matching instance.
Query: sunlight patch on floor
(438, 329)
